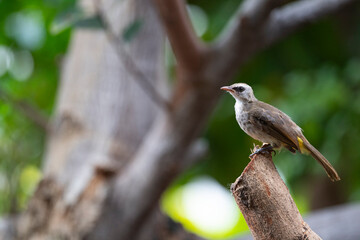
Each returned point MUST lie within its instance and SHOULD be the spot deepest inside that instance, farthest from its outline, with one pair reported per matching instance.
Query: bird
(272, 127)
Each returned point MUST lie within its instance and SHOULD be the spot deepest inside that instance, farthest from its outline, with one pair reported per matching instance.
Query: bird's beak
(226, 88)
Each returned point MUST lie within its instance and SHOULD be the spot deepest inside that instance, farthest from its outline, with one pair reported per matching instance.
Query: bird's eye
(239, 89)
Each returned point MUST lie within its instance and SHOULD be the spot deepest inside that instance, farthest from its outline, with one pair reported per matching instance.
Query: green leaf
(74, 17)
(198, 18)
(90, 22)
(66, 19)
(132, 30)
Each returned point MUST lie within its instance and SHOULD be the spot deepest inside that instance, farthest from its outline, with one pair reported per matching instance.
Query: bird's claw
(265, 148)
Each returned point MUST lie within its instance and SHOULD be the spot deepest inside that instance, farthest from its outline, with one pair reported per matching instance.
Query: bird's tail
(331, 172)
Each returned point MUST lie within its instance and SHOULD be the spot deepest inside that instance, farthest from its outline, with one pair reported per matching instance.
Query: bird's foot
(265, 148)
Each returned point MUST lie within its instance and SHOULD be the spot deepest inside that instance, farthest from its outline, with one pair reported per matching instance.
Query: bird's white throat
(238, 108)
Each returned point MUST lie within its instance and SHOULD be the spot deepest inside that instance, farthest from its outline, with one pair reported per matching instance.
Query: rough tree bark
(112, 146)
(266, 203)
(322, 222)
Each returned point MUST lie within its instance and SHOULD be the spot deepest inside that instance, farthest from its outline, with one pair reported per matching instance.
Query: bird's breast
(243, 119)
(245, 124)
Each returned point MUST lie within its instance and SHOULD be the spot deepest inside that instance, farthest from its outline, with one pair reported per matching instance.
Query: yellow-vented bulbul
(271, 126)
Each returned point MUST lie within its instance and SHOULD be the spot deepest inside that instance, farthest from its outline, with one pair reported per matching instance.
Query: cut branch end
(266, 203)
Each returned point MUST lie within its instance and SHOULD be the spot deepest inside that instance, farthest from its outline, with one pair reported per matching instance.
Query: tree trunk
(102, 116)
(266, 203)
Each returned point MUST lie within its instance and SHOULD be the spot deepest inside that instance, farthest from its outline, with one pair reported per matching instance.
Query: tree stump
(266, 203)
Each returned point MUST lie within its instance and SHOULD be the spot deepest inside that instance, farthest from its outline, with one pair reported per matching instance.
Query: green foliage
(131, 30)
(92, 22)
(30, 57)
(74, 17)
(66, 19)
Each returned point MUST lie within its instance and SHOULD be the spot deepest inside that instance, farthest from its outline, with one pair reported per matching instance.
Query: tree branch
(197, 151)
(289, 18)
(250, 18)
(266, 203)
(255, 12)
(189, 50)
(161, 227)
(238, 44)
(346, 228)
(28, 110)
(123, 55)
(243, 28)
(148, 175)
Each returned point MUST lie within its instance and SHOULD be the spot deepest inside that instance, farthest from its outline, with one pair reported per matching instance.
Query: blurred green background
(313, 76)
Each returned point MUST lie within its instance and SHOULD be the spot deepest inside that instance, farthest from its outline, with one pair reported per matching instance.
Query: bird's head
(240, 91)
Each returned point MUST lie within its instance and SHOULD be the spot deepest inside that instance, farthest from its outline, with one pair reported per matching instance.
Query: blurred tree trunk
(102, 116)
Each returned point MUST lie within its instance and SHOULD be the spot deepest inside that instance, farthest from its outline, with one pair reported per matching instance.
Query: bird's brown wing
(276, 124)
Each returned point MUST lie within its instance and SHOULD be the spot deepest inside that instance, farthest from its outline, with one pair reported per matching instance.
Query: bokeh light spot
(22, 65)
(27, 28)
